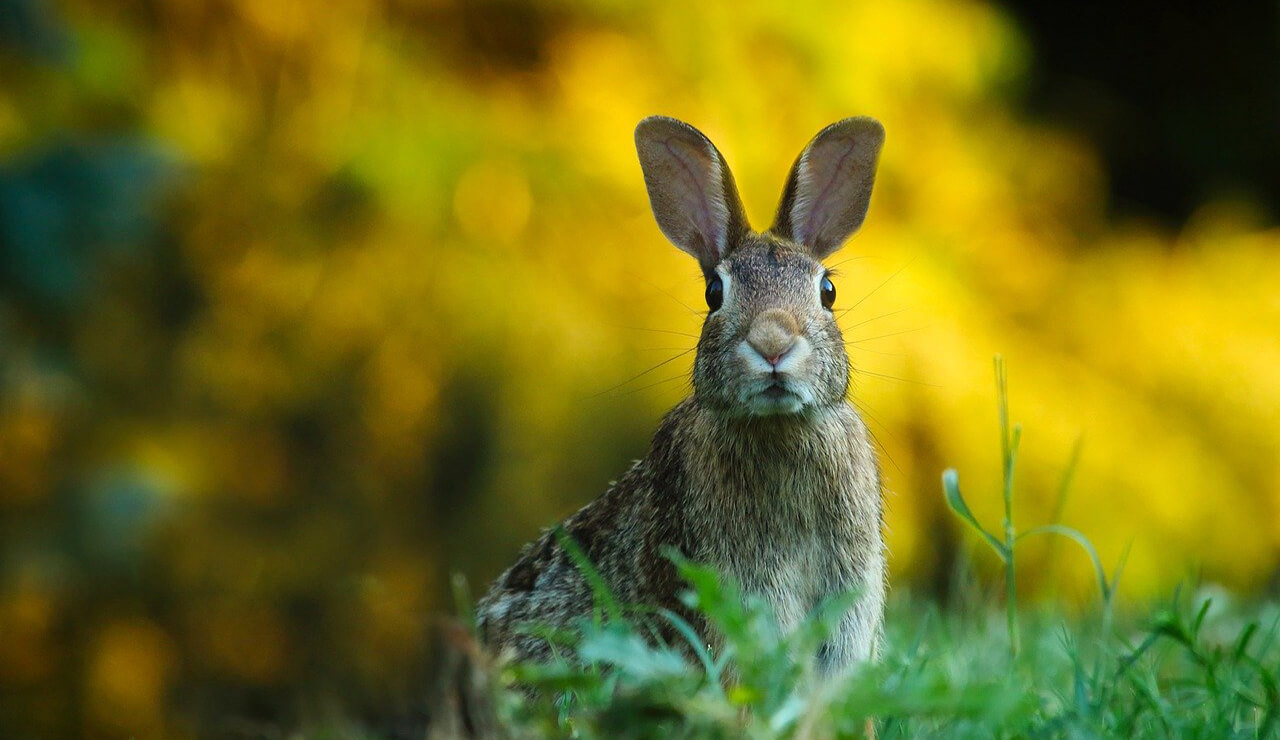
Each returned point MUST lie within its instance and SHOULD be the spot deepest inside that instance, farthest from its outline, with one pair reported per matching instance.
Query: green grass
(1198, 666)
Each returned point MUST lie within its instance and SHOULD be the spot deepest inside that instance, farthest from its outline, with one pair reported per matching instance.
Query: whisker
(878, 287)
(641, 375)
(867, 412)
(882, 336)
(662, 331)
(894, 377)
(882, 353)
(831, 344)
(847, 260)
(633, 391)
(873, 318)
(862, 406)
(668, 294)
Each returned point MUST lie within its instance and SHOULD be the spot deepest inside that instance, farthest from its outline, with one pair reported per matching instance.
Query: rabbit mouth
(775, 398)
(776, 391)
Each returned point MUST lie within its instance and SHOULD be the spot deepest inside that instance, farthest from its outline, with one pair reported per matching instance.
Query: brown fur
(766, 472)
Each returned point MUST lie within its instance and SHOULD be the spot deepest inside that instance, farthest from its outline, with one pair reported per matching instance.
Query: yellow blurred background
(305, 307)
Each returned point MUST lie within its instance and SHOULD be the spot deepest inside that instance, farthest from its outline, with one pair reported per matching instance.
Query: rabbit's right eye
(715, 293)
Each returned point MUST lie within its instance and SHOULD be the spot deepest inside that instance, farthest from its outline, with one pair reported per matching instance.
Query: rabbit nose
(773, 334)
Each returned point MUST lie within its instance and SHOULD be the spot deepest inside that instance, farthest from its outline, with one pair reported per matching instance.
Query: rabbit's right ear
(829, 188)
(690, 188)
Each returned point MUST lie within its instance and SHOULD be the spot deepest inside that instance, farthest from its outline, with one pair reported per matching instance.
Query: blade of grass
(1009, 451)
(599, 589)
(1100, 574)
(955, 500)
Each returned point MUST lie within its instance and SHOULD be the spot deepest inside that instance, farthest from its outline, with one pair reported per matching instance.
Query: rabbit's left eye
(827, 291)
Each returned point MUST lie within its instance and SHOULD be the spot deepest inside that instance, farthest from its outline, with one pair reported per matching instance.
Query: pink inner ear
(816, 213)
(694, 188)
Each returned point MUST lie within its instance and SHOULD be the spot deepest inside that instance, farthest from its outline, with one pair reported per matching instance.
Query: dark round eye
(828, 293)
(715, 293)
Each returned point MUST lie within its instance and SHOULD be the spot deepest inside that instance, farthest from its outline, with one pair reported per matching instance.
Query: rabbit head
(770, 344)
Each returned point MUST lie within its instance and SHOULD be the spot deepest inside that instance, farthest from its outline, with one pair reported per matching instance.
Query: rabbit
(766, 472)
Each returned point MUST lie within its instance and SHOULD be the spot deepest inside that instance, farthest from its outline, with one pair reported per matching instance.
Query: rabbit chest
(791, 509)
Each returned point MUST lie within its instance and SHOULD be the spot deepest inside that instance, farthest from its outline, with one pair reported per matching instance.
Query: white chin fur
(761, 405)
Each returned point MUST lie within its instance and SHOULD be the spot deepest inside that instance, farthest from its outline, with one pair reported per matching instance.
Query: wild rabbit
(766, 472)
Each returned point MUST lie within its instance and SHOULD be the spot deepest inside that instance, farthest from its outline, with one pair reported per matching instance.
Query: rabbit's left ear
(829, 188)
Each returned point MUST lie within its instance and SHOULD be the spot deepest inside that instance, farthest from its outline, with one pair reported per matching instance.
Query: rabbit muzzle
(775, 354)
(773, 335)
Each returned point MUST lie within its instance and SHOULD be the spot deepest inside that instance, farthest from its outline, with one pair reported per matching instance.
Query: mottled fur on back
(766, 473)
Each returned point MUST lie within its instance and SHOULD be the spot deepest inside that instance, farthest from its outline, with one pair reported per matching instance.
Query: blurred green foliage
(1200, 667)
(304, 307)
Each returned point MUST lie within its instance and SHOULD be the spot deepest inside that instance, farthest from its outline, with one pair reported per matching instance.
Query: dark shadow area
(1182, 100)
